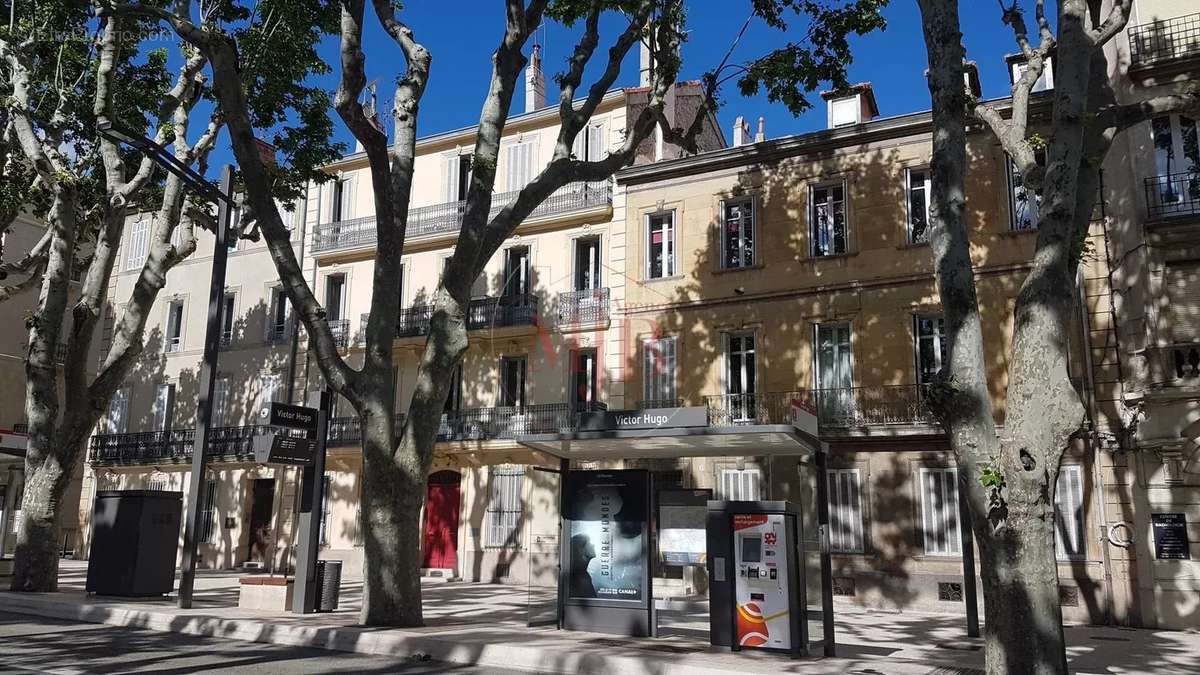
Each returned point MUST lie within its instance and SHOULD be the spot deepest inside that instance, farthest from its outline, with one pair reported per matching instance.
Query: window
(174, 333)
(737, 234)
(342, 206)
(835, 374)
(741, 375)
(516, 272)
(931, 347)
(335, 292)
(658, 368)
(843, 111)
(235, 222)
(828, 219)
(587, 264)
(520, 165)
(220, 403)
(117, 420)
(1181, 321)
(740, 485)
(845, 511)
(277, 320)
(458, 177)
(139, 244)
(1069, 540)
(918, 205)
(270, 390)
(1045, 81)
(164, 404)
(454, 398)
(328, 485)
(584, 379)
(1026, 202)
(1176, 151)
(208, 513)
(592, 142)
(504, 507)
(512, 381)
(660, 245)
(939, 511)
(227, 318)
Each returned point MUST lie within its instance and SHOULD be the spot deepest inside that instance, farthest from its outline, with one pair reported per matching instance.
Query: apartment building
(538, 320)
(740, 281)
(1144, 305)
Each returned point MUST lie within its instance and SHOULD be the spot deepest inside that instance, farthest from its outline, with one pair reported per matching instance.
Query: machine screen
(751, 549)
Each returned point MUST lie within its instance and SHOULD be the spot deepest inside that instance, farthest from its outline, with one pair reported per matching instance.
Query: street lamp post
(212, 337)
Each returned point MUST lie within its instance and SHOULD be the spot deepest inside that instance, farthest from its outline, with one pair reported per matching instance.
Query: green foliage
(821, 58)
(990, 477)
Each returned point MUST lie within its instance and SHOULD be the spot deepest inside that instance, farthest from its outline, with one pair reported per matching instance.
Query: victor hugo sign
(1170, 536)
(606, 552)
(644, 420)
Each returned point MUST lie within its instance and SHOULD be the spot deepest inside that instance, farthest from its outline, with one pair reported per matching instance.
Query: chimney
(762, 130)
(741, 131)
(645, 64)
(535, 82)
(853, 105)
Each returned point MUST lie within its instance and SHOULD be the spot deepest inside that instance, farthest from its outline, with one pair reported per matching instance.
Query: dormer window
(1018, 65)
(843, 111)
(852, 105)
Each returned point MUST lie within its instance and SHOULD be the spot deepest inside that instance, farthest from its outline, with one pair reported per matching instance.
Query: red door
(441, 520)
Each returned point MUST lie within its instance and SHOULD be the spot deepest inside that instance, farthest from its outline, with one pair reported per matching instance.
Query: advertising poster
(608, 512)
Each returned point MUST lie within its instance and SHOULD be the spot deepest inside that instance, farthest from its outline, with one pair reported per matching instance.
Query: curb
(390, 642)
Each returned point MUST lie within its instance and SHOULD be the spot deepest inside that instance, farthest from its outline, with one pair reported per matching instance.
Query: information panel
(607, 518)
(1170, 536)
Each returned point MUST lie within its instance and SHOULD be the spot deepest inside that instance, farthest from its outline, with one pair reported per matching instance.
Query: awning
(667, 442)
(12, 443)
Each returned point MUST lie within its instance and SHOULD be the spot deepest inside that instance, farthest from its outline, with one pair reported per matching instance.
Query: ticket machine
(756, 581)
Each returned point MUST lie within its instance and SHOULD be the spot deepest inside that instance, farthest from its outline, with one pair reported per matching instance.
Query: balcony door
(834, 371)
(335, 292)
(516, 283)
(587, 264)
(741, 376)
(512, 382)
(1176, 160)
(931, 347)
(584, 379)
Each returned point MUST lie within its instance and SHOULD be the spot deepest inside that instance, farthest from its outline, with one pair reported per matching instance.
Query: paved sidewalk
(486, 625)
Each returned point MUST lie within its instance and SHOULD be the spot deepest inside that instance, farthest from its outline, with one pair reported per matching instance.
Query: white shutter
(452, 169)
(269, 391)
(939, 511)
(1068, 514)
(1182, 284)
(162, 407)
(845, 511)
(220, 402)
(139, 240)
(520, 165)
(327, 192)
(597, 141)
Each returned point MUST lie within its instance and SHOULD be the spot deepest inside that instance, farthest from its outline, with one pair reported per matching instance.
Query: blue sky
(893, 60)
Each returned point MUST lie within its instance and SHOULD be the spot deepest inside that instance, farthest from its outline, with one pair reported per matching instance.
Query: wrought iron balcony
(278, 333)
(583, 308)
(486, 312)
(655, 403)
(1165, 40)
(152, 447)
(340, 329)
(440, 219)
(1175, 194)
(837, 409)
(476, 424)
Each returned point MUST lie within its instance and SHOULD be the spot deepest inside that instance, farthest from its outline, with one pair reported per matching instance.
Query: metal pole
(208, 370)
(304, 594)
(968, 560)
(828, 641)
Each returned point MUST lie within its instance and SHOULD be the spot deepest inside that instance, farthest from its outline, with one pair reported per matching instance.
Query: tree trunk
(1022, 617)
(35, 567)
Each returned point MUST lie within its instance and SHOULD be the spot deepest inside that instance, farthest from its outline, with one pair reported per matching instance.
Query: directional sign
(284, 449)
(292, 416)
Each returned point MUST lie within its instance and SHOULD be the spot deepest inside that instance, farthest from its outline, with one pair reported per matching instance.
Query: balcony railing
(655, 403)
(836, 408)
(1175, 365)
(583, 307)
(1165, 40)
(174, 445)
(277, 333)
(428, 221)
(485, 312)
(1176, 194)
(476, 424)
(340, 329)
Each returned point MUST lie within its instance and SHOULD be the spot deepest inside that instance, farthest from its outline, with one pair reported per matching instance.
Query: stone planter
(265, 593)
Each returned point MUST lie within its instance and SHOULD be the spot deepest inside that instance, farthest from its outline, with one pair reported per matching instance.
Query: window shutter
(451, 181)
(139, 236)
(1068, 513)
(845, 511)
(597, 145)
(939, 511)
(520, 165)
(1183, 291)
(220, 402)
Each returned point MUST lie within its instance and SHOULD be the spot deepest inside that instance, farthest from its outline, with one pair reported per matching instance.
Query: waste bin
(329, 584)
